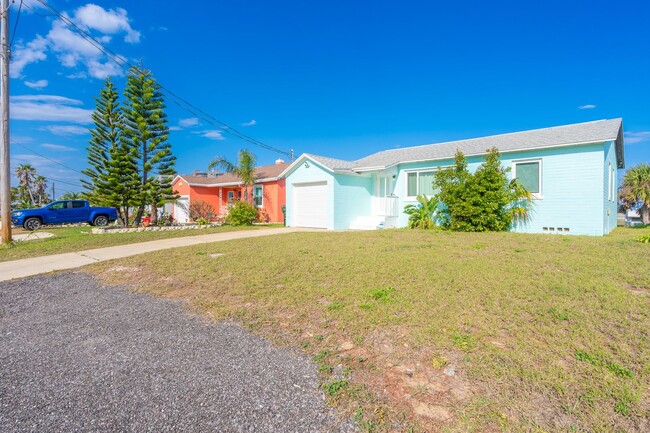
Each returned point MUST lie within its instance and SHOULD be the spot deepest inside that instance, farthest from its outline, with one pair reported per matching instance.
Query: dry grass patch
(440, 331)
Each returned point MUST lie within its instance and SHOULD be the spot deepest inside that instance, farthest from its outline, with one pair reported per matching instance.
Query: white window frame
(614, 192)
(406, 181)
(536, 195)
(261, 186)
(609, 182)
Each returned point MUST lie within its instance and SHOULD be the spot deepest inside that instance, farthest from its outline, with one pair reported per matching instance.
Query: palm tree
(636, 189)
(40, 190)
(245, 169)
(26, 175)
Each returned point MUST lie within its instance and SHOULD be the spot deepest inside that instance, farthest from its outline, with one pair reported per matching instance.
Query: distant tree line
(31, 190)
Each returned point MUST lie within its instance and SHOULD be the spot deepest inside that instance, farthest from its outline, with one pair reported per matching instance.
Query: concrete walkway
(41, 265)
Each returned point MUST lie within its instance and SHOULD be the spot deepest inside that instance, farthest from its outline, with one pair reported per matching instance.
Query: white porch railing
(387, 206)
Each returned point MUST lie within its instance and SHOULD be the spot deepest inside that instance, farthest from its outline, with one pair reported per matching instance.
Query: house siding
(572, 188)
(313, 173)
(352, 198)
(208, 195)
(274, 196)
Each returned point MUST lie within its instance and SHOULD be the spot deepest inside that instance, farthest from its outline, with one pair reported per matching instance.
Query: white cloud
(67, 130)
(175, 128)
(48, 108)
(23, 55)
(636, 137)
(46, 98)
(59, 147)
(72, 50)
(213, 134)
(186, 123)
(251, 123)
(109, 21)
(587, 107)
(101, 70)
(36, 84)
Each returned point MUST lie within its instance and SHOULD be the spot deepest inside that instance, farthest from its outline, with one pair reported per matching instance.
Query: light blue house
(571, 171)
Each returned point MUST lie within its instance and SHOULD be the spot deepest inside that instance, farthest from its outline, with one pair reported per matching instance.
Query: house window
(258, 195)
(231, 196)
(529, 174)
(419, 182)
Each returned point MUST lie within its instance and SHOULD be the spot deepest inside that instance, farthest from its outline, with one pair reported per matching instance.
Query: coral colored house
(268, 192)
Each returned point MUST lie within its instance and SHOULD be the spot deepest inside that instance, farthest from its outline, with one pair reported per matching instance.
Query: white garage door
(310, 204)
(181, 209)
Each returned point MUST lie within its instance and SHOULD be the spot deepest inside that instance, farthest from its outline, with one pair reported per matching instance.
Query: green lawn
(545, 332)
(79, 238)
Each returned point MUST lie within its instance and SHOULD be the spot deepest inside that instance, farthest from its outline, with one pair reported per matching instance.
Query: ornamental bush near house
(241, 213)
(483, 201)
(201, 210)
(421, 216)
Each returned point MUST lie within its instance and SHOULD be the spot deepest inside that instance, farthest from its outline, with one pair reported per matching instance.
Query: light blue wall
(352, 198)
(572, 188)
(610, 206)
(313, 173)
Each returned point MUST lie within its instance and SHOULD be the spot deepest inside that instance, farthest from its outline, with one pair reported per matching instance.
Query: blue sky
(342, 79)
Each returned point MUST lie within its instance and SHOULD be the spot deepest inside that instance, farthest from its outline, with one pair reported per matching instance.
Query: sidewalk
(41, 265)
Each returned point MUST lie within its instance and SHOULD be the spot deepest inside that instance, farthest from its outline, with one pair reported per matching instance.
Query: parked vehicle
(63, 212)
(633, 218)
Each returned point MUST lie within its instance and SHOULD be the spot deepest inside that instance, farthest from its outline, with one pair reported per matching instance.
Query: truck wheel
(32, 224)
(100, 221)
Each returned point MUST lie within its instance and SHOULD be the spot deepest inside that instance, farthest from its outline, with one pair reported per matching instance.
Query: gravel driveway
(78, 356)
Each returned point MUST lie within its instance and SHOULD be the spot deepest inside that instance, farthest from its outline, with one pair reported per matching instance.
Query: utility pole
(53, 194)
(5, 176)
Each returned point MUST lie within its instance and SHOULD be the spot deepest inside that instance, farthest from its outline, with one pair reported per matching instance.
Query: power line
(38, 13)
(189, 107)
(43, 156)
(11, 41)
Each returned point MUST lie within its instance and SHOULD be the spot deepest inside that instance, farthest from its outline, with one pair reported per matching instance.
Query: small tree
(26, 175)
(422, 215)
(107, 119)
(635, 190)
(241, 213)
(484, 201)
(244, 169)
(40, 190)
(201, 210)
(145, 133)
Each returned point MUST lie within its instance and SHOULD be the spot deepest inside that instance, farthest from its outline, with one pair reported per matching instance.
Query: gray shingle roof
(334, 164)
(588, 132)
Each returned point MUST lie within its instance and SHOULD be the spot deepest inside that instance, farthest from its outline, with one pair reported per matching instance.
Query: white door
(310, 205)
(181, 209)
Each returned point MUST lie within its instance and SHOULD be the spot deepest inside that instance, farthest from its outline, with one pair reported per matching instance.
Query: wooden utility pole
(53, 193)
(5, 174)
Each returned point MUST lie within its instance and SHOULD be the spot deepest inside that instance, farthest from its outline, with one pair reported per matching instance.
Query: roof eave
(301, 159)
(582, 143)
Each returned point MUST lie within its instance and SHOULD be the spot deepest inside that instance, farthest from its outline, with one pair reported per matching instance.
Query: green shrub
(421, 216)
(645, 239)
(241, 213)
(483, 201)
